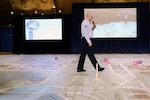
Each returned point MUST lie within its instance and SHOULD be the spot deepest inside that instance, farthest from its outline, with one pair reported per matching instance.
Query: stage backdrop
(111, 17)
(136, 42)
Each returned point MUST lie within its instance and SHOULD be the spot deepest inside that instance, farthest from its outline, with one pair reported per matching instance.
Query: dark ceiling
(30, 7)
(9, 8)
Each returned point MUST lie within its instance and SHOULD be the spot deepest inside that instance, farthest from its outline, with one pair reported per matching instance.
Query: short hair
(88, 14)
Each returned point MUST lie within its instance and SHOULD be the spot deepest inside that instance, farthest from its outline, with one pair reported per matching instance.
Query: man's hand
(94, 25)
(90, 44)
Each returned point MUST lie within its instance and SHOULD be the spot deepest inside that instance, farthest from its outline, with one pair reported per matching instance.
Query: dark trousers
(85, 49)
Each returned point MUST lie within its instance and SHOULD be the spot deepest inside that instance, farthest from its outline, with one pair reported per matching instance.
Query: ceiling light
(59, 11)
(22, 13)
(54, 7)
(11, 12)
(35, 12)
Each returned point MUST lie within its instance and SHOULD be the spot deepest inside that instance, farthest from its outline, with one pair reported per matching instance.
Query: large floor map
(54, 77)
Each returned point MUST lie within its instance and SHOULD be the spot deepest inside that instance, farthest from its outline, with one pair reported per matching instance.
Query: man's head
(89, 16)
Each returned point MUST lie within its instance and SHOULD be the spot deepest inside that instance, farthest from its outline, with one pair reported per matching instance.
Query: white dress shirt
(86, 30)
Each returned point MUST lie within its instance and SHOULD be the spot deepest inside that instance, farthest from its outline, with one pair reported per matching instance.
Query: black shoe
(101, 69)
(83, 70)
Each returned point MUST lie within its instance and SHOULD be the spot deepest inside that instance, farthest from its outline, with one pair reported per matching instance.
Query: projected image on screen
(43, 29)
(114, 22)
